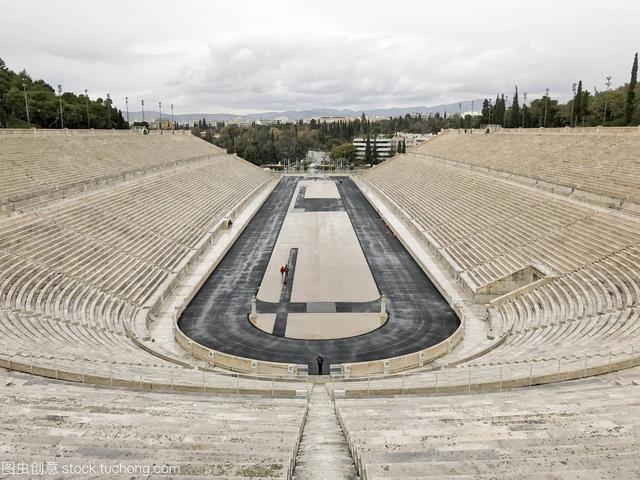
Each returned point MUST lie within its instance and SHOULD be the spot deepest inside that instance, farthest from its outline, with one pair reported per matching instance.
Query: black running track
(217, 317)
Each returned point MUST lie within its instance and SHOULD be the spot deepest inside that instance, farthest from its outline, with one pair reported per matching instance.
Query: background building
(410, 139)
(160, 124)
(383, 147)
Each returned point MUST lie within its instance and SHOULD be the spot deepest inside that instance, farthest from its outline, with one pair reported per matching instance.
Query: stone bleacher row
(484, 228)
(74, 275)
(585, 429)
(197, 436)
(604, 166)
(39, 166)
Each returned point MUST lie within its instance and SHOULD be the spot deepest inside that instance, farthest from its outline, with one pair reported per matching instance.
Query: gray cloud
(253, 56)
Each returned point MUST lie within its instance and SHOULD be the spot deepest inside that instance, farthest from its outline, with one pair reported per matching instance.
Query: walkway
(323, 452)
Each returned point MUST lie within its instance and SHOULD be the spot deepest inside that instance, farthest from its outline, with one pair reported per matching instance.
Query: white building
(383, 147)
(160, 124)
(410, 139)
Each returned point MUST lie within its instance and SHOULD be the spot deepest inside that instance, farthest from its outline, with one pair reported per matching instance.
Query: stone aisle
(323, 453)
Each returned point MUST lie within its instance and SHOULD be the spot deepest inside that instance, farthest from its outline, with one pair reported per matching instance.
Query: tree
(364, 128)
(578, 112)
(499, 110)
(346, 151)
(516, 117)
(374, 151)
(286, 145)
(44, 108)
(631, 92)
(526, 116)
(486, 111)
(367, 150)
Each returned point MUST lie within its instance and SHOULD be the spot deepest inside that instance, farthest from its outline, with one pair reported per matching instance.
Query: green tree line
(617, 107)
(43, 103)
(273, 144)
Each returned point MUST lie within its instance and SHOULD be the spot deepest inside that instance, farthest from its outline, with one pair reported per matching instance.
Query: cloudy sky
(243, 56)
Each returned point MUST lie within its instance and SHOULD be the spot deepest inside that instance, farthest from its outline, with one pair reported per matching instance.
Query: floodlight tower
(60, 98)
(524, 104)
(472, 117)
(506, 109)
(606, 98)
(26, 101)
(160, 122)
(108, 110)
(573, 89)
(126, 102)
(86, 102)
(172, 124)
(460, 117)
(546, 104)
(142, 102)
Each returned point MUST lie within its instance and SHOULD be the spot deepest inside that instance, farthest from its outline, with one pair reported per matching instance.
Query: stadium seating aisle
(120, 432)
(582, 429)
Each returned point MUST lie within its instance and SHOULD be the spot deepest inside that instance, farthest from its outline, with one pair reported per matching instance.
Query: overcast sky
(246, 56)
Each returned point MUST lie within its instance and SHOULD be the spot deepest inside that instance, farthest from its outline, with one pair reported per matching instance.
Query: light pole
(142, 102)
(573, 102)
(472, 116)
(172, 124)
(606, 98)
(108, 110)
(86, 102)
(126, 102)
(26, 101)
(506, 109)
(546, 104)
(160, 121)
(524, 104)
(460, 117)
(60, 98)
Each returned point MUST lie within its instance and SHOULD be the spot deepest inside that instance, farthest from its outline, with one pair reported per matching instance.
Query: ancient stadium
(475, 301)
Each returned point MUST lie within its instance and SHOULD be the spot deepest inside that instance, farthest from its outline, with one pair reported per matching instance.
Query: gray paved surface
(218, 315)
(317, 204)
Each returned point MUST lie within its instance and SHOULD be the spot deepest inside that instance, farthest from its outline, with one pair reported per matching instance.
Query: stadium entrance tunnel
(352, 292)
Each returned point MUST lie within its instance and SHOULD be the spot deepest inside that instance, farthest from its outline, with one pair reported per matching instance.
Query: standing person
(320, 362)
(282, 273)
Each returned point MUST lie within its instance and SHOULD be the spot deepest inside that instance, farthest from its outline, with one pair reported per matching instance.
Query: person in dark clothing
(320, 362)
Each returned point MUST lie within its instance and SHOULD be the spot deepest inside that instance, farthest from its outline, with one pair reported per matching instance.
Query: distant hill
(450, 108)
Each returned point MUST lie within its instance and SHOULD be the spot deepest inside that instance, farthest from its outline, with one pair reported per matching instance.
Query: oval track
(217, 317)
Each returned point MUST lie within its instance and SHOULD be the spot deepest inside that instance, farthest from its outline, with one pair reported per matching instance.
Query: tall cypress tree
(498, 110)
(631, 93)
(486, 112)
(374, 151)
(367, 150)
(578, 104)
(515, 110)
